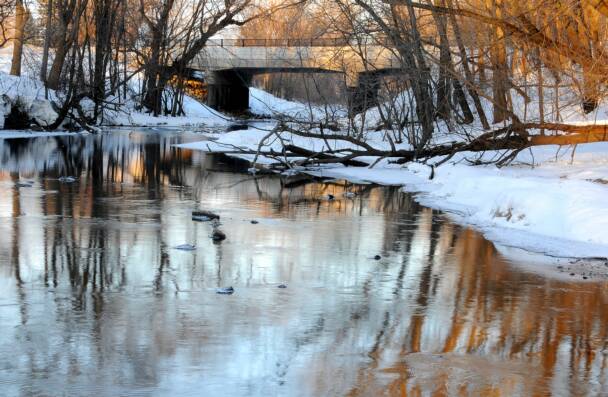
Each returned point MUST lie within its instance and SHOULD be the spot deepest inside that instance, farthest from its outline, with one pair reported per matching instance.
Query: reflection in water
(95, 300)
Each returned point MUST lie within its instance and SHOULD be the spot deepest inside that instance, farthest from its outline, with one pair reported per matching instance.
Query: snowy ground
(29, 90)
(197, 115)
(265, 104)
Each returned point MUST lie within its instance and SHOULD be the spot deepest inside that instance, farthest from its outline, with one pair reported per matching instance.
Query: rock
(218, 235)
(67, 179)
(5, 108)
(185, 247)
(204, 216)
(42, 112)
(377, 257)
(585, 277)
(225, 291)
(572, 274)
(254, 222)
(237, 127)
(24, 184)
(281, 286)
(331, 197)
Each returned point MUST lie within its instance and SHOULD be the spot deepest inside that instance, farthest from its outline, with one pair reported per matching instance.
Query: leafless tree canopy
(505, 67)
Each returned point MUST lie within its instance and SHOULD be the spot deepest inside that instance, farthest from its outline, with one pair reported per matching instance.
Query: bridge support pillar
(228, 90)
(365, 94)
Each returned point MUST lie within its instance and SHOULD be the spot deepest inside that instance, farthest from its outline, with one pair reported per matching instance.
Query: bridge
(230, 64)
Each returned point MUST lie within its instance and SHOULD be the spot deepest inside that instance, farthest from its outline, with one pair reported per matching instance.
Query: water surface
(95, 300)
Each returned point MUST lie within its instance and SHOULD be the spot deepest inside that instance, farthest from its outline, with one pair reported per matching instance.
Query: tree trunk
(444, 85)
(500, 75)
(61, 51)
(459, 95)
(105, 17)
(20, 20)
(469, 78)
(47, 41)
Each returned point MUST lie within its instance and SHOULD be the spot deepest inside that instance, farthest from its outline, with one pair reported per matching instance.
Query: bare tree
(21, 16)
(47, 40)
(174, 32)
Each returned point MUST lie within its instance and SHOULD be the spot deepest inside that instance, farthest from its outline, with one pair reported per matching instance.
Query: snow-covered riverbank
(28, 93)
(546, 201)
(556, 207)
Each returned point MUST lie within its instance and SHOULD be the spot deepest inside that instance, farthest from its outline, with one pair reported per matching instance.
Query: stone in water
(185, 247)
(67, 179)
(218, 235)
(204, 216)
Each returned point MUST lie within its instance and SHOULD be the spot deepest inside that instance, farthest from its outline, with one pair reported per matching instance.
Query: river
(96, 300)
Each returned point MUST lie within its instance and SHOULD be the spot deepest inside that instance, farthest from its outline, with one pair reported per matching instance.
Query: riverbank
(543, 203)
(549, 200)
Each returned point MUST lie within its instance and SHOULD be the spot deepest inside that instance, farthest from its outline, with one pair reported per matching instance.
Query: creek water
(96, 300)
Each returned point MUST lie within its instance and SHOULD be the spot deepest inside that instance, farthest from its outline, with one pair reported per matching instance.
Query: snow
(263, 103)
(29, 92)
(555, 208)
(197, 114)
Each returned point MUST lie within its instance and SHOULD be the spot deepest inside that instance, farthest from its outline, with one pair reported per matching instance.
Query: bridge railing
(293, 42)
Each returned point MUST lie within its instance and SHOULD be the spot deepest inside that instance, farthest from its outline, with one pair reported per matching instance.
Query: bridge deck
(268, 56)
(296, 42)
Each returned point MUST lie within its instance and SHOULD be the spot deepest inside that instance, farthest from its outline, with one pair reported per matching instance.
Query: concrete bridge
(230, 64)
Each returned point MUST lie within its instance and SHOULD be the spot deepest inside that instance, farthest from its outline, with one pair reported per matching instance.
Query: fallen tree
(509, 141)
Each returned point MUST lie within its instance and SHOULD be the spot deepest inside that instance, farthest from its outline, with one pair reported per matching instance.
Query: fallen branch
(510, 140)
(321, 157)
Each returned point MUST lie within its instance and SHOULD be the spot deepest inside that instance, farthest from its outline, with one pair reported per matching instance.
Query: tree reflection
(442, 313)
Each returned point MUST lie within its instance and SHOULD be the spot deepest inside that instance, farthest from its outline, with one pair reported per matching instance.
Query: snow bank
(28, 95)
(263, 103)
(567, 109)
(556, 208)
(196, 114)
(28, 92)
